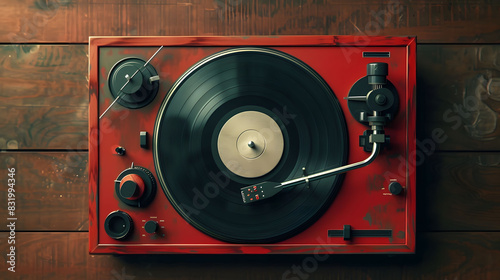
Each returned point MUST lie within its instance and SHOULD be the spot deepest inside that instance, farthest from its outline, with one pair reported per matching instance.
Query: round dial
(118, 225)
(132, 187)
(135, 186)
(395, 188)
(151, 227)
(139, 89)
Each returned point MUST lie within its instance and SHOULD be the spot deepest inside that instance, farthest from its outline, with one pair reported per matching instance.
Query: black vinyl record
(197, 181)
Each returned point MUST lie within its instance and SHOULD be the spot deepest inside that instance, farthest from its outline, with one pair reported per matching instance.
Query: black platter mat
(189, 168)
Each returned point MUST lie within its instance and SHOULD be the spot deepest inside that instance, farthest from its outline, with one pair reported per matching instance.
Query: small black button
(151, 227)
(120, 150)
(144, 139)
(395, 188)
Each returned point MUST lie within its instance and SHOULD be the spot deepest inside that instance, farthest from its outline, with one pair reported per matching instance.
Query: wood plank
(43, 75)
(44, 96)
(456, 191)
(455, 255)
(51, 190)
(459, 96)
(74, 21)
(441, 256)
(43, 127)
(459, 191)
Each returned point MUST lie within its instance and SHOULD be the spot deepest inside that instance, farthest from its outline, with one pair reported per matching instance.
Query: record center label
(250, 144)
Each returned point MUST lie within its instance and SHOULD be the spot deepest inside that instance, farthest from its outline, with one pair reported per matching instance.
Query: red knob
(132, 187)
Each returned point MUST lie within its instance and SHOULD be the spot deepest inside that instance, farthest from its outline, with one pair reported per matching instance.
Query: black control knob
(118, 225)
(395, 188)
(120, 151)
(377, 73)
(135, 186)
(129, 189)
(380, 99)
(151, 227)
(135, 83)
(132, 187)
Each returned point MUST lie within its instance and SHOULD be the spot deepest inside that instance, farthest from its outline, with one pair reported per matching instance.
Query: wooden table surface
(43, 131)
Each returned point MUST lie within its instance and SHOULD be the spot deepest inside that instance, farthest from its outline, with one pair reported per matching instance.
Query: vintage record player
(252, 145)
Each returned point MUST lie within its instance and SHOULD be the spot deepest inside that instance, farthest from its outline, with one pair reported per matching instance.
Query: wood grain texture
(456, 255)
(43, 75)
(43, 127)
(459, 94)
(51, 190)
(456, 191)
(441, 256)
(44, 97)
(459, 191)
(73, 21)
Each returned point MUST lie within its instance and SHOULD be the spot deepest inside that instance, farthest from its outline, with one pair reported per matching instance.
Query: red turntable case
(252, 145)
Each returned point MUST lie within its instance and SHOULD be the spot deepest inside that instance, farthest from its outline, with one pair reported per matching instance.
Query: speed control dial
(135, 186)
(151, 227)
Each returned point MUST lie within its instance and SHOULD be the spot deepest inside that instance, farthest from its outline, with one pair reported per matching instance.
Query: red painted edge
(411, 144)
(93, 143)
(321, 40)
(251, 249)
